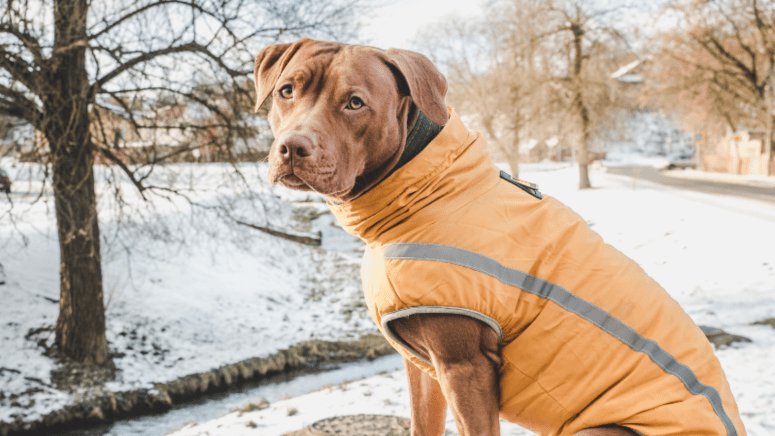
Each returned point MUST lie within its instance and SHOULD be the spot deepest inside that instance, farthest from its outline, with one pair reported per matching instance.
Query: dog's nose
(295, 147)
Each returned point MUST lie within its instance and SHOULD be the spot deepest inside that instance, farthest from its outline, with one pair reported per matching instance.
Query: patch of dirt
(70, 376)
(76, 377)
(720, 338)
(770, 322)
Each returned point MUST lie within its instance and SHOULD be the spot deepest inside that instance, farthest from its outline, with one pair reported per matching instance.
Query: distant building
(741, 152)
(177, 132)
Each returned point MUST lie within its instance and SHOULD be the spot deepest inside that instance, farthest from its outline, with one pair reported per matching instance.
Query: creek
(289, 384)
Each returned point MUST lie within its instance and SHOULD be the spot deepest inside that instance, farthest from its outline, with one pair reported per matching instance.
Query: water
(213, 406)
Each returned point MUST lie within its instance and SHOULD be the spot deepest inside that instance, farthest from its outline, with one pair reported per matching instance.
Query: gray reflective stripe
(569, 302)
(402, 313)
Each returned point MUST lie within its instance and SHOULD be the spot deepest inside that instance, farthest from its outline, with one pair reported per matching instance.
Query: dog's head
(340, 112)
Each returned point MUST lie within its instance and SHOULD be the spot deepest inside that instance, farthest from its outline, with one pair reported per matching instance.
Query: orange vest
(588, 338)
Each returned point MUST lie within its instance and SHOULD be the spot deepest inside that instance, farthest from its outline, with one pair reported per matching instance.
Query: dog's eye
(355, 103)
(286, 91)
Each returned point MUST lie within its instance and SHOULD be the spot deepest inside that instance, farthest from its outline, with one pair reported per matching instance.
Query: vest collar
(454, 164)
(421, 133)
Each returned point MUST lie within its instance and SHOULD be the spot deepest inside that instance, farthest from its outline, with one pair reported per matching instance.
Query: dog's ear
(270, 62)
(427, 86)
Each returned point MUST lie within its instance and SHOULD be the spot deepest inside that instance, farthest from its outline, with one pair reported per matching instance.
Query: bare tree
(492, 73)
(718, 62)
(528, 64)
(586, 35)
(60, 59)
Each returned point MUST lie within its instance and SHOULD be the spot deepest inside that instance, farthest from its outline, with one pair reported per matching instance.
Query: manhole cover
(363, 425)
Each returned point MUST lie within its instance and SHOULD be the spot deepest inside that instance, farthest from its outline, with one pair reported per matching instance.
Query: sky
(394, 25)
(397, 23)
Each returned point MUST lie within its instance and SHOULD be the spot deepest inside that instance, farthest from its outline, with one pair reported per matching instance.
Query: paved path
(763, 191)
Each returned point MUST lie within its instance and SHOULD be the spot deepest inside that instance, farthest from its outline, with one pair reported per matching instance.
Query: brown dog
(342, 117)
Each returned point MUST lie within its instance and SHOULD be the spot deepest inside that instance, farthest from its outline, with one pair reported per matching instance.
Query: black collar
(421, 133)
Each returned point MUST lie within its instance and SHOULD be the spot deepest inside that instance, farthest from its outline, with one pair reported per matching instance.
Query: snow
(223, 295)
(184, 295)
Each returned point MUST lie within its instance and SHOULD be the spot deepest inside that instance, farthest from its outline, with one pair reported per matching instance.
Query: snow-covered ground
(221, 295)
(713, 254)
(185, 293)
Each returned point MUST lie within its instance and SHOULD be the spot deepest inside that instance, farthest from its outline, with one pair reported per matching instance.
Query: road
(752, 190)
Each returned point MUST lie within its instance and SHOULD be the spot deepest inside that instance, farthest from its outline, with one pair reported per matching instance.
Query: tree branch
(190, 47)
(20, 106)
(9, 110)
(721, 53)
(74, 45)
(18, 68)
(142, 9)
(306, 240)
(28, 40)
(198, 48)
(109, 154)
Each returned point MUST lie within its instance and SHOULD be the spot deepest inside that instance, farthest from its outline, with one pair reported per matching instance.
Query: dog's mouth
(292, 181)
(320, 182)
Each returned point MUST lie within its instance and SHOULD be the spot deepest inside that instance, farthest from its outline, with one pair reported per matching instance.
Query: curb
(110, 406)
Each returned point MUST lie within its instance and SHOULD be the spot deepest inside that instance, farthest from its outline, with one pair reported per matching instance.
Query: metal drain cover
(363, 425)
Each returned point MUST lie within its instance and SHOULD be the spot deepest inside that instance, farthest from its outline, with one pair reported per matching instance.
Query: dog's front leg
(465, 353)
(429, 408)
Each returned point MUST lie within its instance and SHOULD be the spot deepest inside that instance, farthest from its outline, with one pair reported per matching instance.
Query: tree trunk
(80, 330)
(767, 141)
(513, 160)
(582, 156)
(512, 156)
